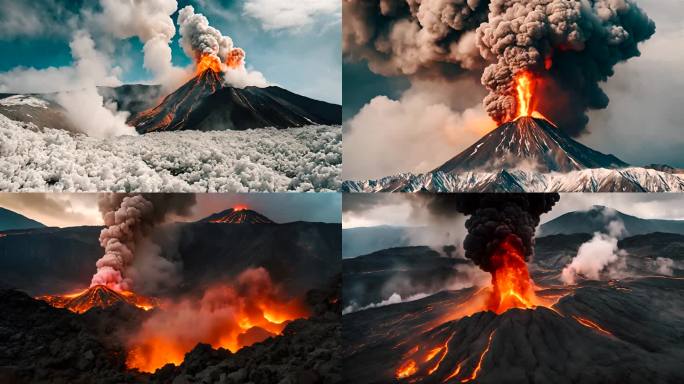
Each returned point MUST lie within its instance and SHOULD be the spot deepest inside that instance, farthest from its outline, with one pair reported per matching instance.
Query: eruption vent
(98, 296)
(238, 215)
(500, 240)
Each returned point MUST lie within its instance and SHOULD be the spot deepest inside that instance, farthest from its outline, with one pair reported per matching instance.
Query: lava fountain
(511, 283)
(525, 86)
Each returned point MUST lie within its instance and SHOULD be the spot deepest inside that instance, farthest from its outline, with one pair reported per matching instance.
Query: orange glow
(98, 296)
(478, 367)
(407, 369)
(525, 86)
(454, 373)
(511, 283)
(444, 348)
(230, 316)
(590, 324)
(240, 207)
(209, 62)
(235, 58)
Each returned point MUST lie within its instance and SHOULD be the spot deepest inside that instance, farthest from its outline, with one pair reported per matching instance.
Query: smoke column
(210, 49)
(129, 219)
(494, 219)
(569, 45)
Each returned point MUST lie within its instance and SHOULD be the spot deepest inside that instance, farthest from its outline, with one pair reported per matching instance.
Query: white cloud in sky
(279, 14)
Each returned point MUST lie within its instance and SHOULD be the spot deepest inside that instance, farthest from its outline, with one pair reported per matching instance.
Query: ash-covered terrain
(624, 325)
(529, 155)
(203, 271)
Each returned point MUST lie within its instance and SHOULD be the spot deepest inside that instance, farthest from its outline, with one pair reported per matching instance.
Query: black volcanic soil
(42, 344)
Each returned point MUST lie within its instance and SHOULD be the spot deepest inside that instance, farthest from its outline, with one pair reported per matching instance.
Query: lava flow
(229, 316)
(98, 296)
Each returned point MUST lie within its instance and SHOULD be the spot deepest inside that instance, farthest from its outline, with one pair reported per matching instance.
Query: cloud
(278, 14)
(429, 124)
(54, 209)
(22, 19)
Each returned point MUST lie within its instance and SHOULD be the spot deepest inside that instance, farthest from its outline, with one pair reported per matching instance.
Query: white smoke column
(124, 226)
(599, 255)
(85, 107)
(151, 22)
(199, 39)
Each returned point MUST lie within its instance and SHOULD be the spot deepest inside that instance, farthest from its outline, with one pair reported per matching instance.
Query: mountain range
(529, 155)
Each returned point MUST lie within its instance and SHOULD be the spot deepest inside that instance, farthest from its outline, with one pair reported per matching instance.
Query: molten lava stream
(511, 283)
(206, 62)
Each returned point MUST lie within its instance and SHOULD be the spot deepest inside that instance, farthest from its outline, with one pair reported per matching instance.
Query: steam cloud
(494, 218)
(128, 220)
(572, 45)
(151, 22)
(200, 40)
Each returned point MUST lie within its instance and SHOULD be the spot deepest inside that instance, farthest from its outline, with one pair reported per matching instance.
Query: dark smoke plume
(494, 217)
(572, 45)
(129, 219)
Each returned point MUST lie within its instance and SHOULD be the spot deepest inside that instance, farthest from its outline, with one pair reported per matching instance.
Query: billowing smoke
(495, 218)
(600, 256)
(205, 43)
(570, 45)
(129, 220)
(230, 315)
(151, 22)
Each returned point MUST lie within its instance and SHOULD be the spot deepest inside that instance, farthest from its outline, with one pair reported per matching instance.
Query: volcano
(529, 140)
(97, 296)
(238, 216)
(205, 103)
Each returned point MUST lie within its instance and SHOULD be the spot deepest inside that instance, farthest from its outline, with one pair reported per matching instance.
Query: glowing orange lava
(240, 207)
(478, 367)
(407, 369)
(445, 350)
(590, 324)
(230, 316)
(209, 62)
(511, 283)
(98, 296)
(525, 86)
(454, 373)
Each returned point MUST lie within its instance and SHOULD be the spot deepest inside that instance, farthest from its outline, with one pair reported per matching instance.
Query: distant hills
(597, 218)
(10, 220)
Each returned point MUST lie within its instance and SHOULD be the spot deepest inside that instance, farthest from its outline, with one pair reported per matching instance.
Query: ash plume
(202, 41)
(571, 45)
(494, 218)
(129, 220)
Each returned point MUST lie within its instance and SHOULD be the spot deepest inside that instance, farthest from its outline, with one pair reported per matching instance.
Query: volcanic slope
(10, 220)
(626, 333)
(529, 140)
(204, 103)
(238, 216)
(98, 296)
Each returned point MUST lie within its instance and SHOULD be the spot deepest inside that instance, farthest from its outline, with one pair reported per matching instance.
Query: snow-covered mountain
(529, 155)
(531, 141)
(631, 179)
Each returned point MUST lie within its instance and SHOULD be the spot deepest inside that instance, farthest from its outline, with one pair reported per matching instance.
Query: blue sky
(304, 59)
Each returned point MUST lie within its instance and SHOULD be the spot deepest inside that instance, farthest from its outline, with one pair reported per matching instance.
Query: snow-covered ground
(295, 159)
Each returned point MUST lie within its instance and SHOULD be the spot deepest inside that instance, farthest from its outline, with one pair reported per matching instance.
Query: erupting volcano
(99, 296)
(239, 214)
(511, 283)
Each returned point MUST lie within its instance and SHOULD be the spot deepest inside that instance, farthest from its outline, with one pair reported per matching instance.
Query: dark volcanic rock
(205, 104)
(42, 344)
